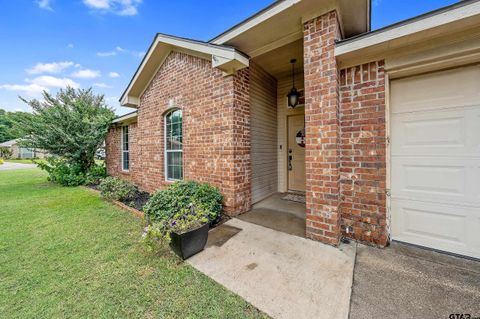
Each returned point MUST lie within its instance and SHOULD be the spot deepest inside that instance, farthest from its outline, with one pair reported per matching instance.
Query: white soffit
(255, 20)
(225, 58)
(442, 17)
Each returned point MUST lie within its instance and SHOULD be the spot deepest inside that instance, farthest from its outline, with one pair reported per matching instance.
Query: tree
(4, 135)
(73, 124)
(8, 122)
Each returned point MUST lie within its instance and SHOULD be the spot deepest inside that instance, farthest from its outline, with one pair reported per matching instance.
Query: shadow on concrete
(278, 214)
(221, 234)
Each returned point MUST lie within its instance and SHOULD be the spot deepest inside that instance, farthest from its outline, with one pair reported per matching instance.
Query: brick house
(384, 140)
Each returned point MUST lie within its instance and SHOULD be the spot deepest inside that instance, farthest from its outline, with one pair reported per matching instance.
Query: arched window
(173, 146)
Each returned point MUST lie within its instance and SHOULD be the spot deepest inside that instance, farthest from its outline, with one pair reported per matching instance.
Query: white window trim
(123, 151)
(165, 151)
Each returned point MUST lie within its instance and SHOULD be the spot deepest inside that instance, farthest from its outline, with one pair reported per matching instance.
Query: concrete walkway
(6, 166)
(403, 281)
(282, 275)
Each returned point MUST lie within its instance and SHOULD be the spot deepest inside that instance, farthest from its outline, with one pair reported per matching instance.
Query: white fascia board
(223, 57)
(125, 117)
(408, 28)
(206, 48)
(257, 19)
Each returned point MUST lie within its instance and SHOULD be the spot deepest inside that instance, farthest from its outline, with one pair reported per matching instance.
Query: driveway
(285, 276)
(11, 166)
(402, 281)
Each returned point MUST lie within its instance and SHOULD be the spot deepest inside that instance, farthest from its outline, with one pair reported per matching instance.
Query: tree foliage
(73, 124)
(8, 127)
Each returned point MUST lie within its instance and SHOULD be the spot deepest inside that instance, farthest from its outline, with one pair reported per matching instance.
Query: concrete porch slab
(276, 220)
(283, 275)
(278, 214)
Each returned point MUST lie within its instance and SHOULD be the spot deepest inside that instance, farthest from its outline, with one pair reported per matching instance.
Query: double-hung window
(173, 146)
(125, 149)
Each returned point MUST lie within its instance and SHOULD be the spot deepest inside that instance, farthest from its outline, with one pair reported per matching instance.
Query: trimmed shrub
(114, 188)
(1, 161)
(164, 204)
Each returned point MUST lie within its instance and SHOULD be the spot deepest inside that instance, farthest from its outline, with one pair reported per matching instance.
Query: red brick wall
(322, 129)
(113, 151)
(216, 129)
(363, 149)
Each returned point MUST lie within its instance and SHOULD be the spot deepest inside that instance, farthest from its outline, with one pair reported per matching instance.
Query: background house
(19, 152)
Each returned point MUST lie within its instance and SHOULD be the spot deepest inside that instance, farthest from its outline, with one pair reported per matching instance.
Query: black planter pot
(189, 243)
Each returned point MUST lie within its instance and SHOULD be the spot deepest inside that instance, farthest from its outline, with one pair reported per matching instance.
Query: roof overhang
(448, 20)
(282, 23)
(126, 119)
(9, 143)
(223, 57)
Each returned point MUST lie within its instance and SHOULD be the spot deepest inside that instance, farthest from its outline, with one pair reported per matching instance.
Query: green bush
(164, 204)
(5, 152)
(1, 161)
(115, 188)
(96, 174)
(62, 172)
(66, 173)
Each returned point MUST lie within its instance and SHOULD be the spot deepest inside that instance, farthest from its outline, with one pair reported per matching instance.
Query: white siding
(283, 87)
(263, 108)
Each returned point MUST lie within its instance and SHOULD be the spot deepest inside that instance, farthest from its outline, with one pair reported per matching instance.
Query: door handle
(290, 157)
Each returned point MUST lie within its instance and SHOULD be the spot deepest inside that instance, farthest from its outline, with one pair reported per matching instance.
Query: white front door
(435, 160)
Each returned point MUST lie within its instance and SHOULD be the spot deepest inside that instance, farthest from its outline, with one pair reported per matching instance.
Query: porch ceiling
(277, 62)
(282, 23)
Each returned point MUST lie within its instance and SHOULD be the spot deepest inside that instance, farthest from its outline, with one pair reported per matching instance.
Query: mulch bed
(140, 200)
(138, 203)
(135, 207)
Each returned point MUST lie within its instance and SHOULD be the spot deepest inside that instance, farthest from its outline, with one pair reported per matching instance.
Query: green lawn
(64, 252)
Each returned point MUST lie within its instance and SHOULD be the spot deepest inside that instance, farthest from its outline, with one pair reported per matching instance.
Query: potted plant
(186, 231)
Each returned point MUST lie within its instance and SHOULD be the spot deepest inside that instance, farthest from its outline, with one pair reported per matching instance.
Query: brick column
(322, 129)
(237, 144)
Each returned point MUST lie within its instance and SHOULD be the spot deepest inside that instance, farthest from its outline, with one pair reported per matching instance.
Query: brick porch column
(322, 129)
(237, 173)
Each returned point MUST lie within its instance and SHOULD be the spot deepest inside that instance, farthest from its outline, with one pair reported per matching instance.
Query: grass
(64, 252)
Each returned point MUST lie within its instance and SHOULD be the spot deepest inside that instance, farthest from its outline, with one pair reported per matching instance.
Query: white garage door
(435, 160)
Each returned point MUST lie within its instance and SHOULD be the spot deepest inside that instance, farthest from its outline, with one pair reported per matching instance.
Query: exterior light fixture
(293, 95)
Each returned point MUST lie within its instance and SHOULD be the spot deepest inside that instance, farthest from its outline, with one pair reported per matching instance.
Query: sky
(48, 44)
